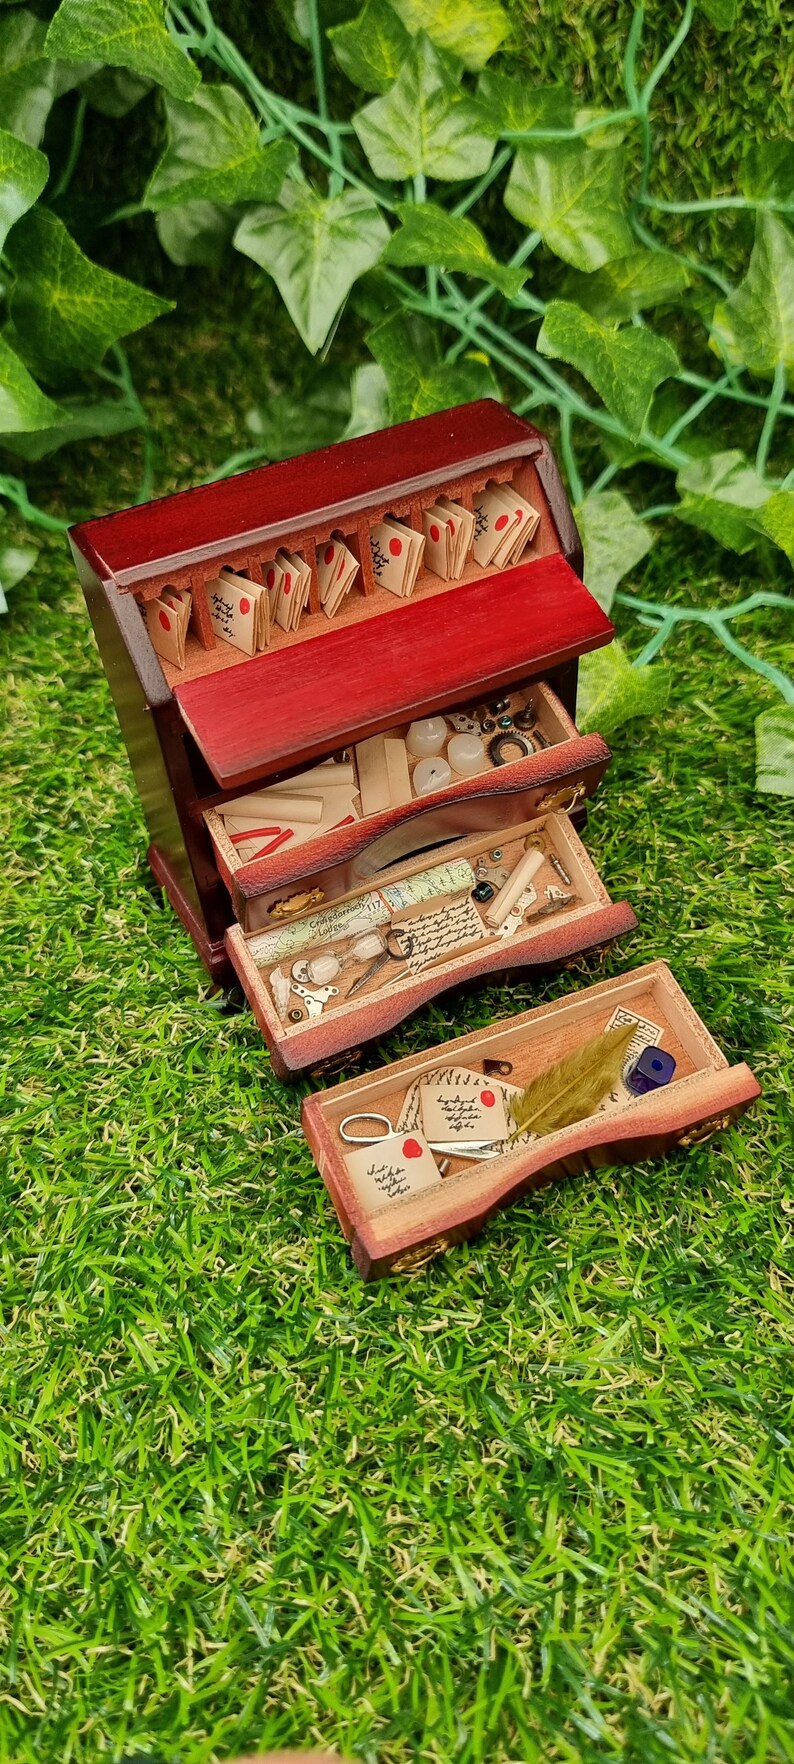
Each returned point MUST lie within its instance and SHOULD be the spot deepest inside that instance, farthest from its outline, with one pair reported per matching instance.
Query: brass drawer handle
(413, 1259)
(565, 799)
(705, 1131)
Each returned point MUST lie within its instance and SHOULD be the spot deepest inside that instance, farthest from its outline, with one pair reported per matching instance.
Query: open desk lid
(286, 707)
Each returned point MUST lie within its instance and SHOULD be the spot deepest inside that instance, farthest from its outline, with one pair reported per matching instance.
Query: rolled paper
(466, 755)
(274, 803)
(517, 881)
(426, 737)
(431, 774)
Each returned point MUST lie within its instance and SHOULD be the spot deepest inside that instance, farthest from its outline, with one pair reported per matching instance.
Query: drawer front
(590, 924)
(564, 772)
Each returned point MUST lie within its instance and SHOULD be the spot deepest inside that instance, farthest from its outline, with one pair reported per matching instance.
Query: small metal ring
(350, 1138)
(403, 944)
(498, 742)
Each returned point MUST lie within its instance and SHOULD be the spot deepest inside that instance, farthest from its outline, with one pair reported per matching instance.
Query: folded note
(239, 612)
(394, 1168)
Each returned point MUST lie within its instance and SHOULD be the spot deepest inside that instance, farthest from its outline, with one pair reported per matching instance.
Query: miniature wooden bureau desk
(227, 723)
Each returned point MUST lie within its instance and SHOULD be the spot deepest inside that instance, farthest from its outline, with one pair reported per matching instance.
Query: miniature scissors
(482, 1149)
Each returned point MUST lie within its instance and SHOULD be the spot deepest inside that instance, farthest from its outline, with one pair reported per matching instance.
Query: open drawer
(403, 1233)
(450, 917)
(263, 857)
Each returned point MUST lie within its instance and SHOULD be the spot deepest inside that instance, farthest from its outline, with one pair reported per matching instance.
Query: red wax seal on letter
(245, 606)
(329, 554)
(165, 621)
(412, 1148)
(271, 578)
(287, 583)
(487, 1099)
(435, 534)
(395, 547)
(500, 522)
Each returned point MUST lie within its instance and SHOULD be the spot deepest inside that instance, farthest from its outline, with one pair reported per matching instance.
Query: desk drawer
(562, 769)
(432, 906)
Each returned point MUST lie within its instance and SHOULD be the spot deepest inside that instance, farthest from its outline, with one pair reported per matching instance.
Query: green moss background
(535, 1503)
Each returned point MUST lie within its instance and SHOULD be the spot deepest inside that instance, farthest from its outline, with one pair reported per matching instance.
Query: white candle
(466, 755)
(431, 774)
(426, 737)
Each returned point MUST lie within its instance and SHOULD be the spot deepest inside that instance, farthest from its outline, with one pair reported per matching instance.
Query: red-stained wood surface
(190, 527)
(283, 708)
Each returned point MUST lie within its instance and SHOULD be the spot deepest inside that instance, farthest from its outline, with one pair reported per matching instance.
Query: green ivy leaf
(371, 48)
(624, 367)
(418, 381)
(572, 195)
(767, 171)
(425, 124)
(198, 234)
(67, 311)
(29, 84)
(614, 542)
(721, 494)
(15, 562)
(23, 174)
(611, 691)
(23, 405)
(755, 325)
(288, 423)
(369, 401)
(114, 91)
(314, 247)
(629, 285)
(774, 751)
(511, 106)
(122, 33)
(78, 419)
(469, 29)
(431, 235)
(214, 154)
(776, 521)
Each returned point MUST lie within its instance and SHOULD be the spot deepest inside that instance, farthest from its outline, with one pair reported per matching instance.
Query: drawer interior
(428, 903)
(262, 832)
(528, 1045)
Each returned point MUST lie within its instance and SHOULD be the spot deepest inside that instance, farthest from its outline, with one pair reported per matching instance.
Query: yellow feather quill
(574, 1086)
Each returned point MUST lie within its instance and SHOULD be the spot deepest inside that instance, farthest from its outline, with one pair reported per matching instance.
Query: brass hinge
(413, 1259)
(706, 1130)
(564, 799)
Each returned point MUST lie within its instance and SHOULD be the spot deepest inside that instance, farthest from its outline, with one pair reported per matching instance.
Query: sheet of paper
(398, 1166)
(337, 570)
(411, 1111)
(439, 531)
(528, 520)
(167, 627)
(434, 936)
(464, 1112)
(396, 555)
(463, 521)
(233, 608)
(493, 526)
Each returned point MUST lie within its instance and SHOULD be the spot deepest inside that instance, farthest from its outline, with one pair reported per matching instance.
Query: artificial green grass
(533, 1503)
(536, 1502)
